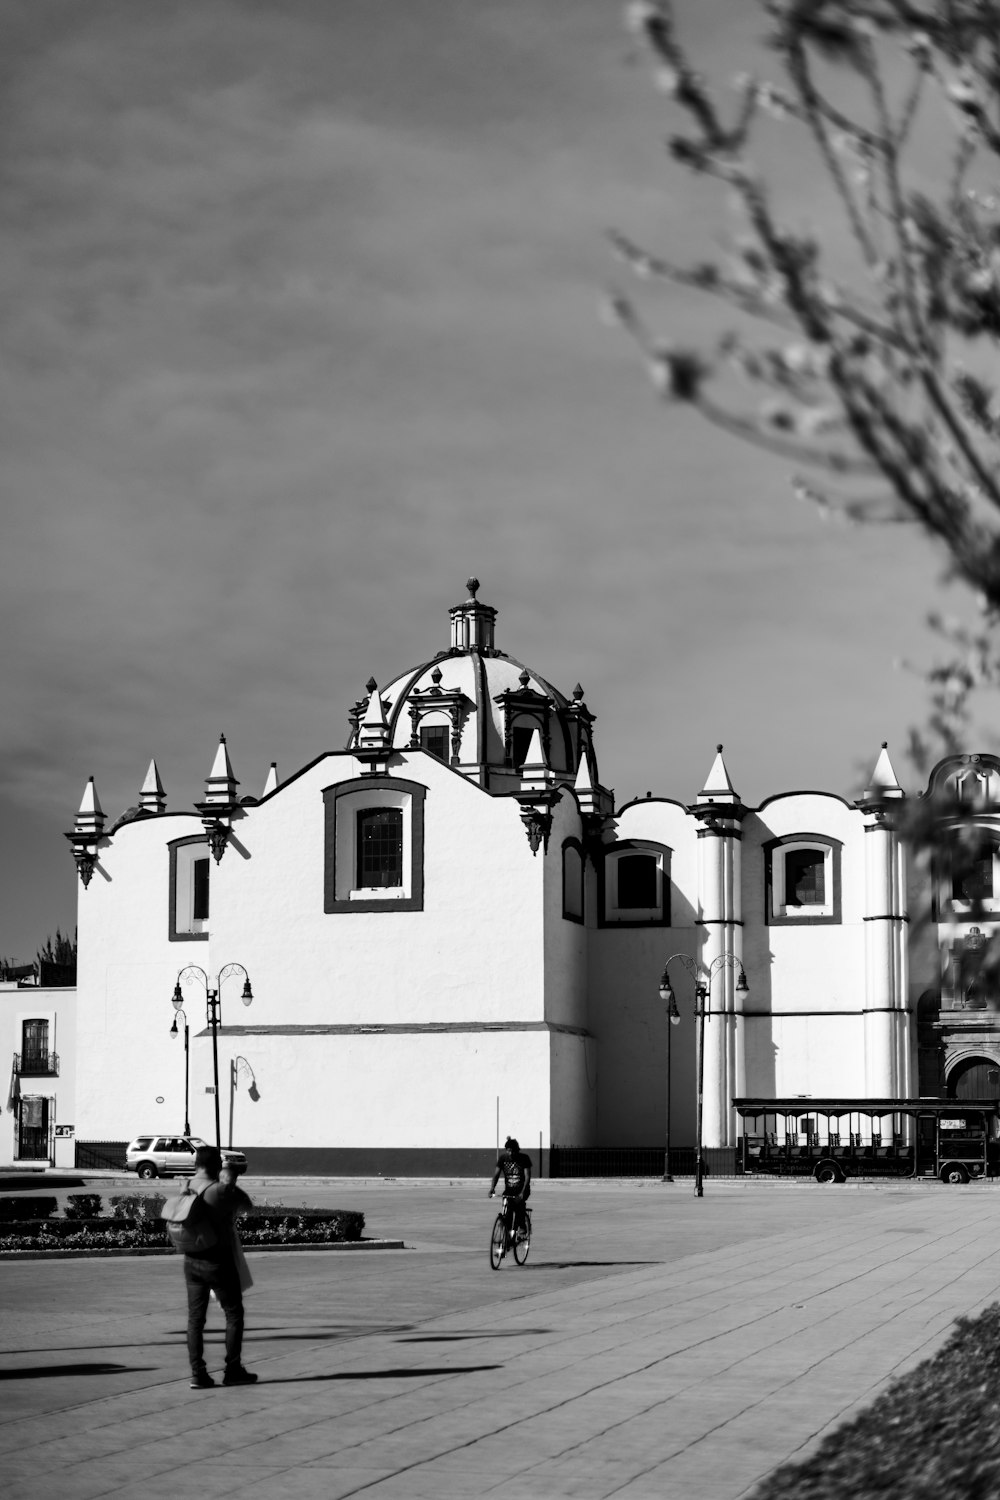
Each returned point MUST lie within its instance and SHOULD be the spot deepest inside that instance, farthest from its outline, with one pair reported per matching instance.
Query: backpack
(188, 1222)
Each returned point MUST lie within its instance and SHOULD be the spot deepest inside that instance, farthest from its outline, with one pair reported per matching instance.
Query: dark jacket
(224, 1201)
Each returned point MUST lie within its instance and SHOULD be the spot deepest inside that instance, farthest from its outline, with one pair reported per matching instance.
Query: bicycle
(501, 1240)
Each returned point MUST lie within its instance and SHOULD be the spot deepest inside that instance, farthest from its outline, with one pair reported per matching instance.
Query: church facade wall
(503, 975)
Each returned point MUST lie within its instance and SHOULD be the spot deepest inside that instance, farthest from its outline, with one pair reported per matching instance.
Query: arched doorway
(976, 1078)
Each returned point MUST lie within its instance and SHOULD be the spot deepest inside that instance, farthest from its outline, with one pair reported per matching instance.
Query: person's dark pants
(203, 1277)
(516, 1217)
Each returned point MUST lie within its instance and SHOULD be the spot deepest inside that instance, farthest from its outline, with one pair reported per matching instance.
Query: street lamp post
(702, 977)
(673, 1019)
(213, 997)
(178, 1012)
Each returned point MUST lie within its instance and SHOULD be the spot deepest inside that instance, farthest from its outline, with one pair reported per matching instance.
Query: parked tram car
(957, 1140)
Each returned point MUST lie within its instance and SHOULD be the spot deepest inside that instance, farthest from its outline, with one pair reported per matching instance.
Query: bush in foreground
(935, 1432)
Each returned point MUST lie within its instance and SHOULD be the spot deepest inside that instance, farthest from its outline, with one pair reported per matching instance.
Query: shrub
(932, 1432)
(294, 1228)
(137, 1205)
(83, 1206)
(12, 1209)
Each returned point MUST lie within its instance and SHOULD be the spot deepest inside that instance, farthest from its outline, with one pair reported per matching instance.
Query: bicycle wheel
(497, 1242)
(522, 1245)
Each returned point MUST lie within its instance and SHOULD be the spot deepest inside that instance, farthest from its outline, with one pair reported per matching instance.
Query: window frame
(610, 913)
(433, 723)
(395, 820)
(965, 908)
(343, 802)
(781, 913)
(184, 854)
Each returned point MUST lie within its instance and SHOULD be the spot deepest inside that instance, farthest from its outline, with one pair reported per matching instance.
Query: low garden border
(134, 1226)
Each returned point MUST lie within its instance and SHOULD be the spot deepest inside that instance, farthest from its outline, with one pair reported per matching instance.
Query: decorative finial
(371, 684)
(472, 584)
(719, 749)
(436, 675)
(524, 677)
(578, 691)
(885, 744)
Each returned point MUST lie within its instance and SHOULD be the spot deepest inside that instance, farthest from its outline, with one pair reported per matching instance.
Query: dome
(477, 708)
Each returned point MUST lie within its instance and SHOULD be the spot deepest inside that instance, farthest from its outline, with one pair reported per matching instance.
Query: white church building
(447, 932)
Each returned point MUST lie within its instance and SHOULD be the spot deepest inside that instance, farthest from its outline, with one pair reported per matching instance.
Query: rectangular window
(201, 869)
(974, 880)
(380, 847)
(190, 885)
(634, 885)
(802, 880)
(434, 737)
(34, 1045)
(805, 883)
(637, 882)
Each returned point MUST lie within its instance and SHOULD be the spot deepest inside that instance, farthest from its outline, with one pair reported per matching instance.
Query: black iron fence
(639, 1161)
(101, 1156)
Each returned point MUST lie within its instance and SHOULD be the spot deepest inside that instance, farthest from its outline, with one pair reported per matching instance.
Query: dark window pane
(805, 877)
(973, 881)
(35, 1038)
(380, 846)
(572, 882)
(201, 869)
(637, 881)
(520, 743)
(434, 737)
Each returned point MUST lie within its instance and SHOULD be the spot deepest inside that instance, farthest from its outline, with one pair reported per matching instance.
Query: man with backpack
(213, 1269)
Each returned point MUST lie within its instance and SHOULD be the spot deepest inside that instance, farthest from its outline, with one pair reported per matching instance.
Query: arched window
(572, 881)
(374, 845)
(520, 741)
(802, 876)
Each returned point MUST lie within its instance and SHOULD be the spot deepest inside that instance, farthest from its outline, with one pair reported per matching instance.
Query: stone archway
(975, 1078)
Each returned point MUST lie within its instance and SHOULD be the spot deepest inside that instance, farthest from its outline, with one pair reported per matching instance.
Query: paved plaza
(655, 1345)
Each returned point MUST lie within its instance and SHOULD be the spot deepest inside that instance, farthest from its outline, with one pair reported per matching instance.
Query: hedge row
(80, 1206)
(268, 1227)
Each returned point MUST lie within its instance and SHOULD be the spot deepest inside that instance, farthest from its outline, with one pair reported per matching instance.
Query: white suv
(165, 1155)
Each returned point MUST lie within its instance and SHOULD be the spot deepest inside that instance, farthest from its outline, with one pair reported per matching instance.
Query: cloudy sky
(300, 327)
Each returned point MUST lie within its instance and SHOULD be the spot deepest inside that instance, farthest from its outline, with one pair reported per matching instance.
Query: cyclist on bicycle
(515, 1167)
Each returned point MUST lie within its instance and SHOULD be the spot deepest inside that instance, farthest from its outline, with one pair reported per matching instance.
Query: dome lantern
(472, 623)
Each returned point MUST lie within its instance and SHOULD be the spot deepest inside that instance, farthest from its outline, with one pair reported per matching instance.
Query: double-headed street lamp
(214, 1000)
(673, 1019)
(178, 1013)
(702, 977)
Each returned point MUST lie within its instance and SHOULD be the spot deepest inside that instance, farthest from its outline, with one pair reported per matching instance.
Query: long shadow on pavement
(45, 1372)
(384, 1374)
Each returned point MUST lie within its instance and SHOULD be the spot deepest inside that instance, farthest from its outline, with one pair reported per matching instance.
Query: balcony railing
(37, 1064)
